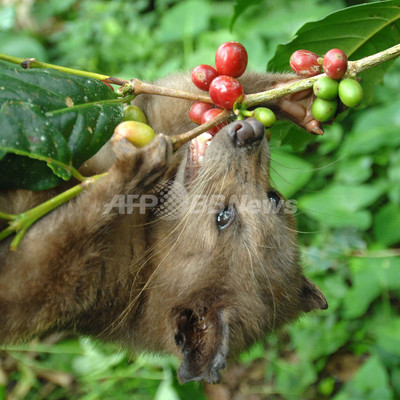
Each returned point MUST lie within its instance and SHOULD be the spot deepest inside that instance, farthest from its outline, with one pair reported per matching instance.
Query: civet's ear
(312, 297)
(203, 342)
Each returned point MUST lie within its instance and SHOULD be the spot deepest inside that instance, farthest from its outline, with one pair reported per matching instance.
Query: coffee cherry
(137, 133)
(225, 91)
(335, 63)
(265, 116)
(210, 114)
(326, 88)
(350, 92)
(323, 110)
(305, 63)
(197, 110)
(134, 113)
(203, 75)
(231, 59)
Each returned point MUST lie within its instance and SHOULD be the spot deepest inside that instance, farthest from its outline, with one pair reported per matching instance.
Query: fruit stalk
(179, 140)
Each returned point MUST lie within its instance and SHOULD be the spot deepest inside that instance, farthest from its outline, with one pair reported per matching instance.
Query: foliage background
(347, 184)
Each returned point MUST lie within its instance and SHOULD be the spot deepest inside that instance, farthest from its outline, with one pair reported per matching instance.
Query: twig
(355, 67)
(33, 63)
(135, 86)
(179, 140)
(20, 223)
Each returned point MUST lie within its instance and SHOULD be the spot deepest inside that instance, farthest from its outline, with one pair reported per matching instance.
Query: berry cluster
(327, 88)
(224, 89)
(230, 63)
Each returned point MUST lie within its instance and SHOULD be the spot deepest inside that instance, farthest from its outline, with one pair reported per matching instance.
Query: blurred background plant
(346, 183)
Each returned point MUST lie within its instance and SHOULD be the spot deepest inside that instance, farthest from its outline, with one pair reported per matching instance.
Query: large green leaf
(50, 121)
(288, 172)
(342, 205)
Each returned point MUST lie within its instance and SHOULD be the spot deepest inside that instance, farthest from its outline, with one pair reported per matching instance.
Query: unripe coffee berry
(265, 116)
(350, 92)
(323, 110)
(326, 88)
(137, 133)
(134, 113)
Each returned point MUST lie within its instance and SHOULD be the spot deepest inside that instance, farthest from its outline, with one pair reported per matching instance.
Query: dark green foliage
(50, 118)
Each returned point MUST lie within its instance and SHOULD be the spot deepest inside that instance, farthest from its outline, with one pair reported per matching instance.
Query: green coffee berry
(326, 88)
(350, 92)
(323, 110)
(134, 113)
(137, 133)
(265, 116)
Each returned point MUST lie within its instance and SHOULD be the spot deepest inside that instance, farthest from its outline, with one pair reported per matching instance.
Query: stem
(8, 217)
(272, 94)
(179, 140)
(33, 63)
(138, 87)
(372, 61)
(21, 222)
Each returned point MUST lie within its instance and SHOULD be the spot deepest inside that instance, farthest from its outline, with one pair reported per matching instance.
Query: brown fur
(176, 286)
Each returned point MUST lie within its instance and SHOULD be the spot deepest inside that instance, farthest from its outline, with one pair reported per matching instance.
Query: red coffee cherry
(197, 110)
(305, 63)
(231, 59)
(225, 91)
(203, 75)
(210, 114)
(335, 63)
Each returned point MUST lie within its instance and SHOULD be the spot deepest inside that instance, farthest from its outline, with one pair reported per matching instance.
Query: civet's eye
(225, 217)
(274, 197)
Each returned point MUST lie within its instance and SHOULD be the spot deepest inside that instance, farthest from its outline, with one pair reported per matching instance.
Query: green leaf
(240, 7)
(50, 123)
(84, 127)
(370, 383)
(341, 205)
(388, 338)
(354, 170)
(375, 128)
(370, 277)
(359, 31)
(29, 142)
(288, 172)
(184, 20)
(294, 378)
(386, 224)
(166, 391)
